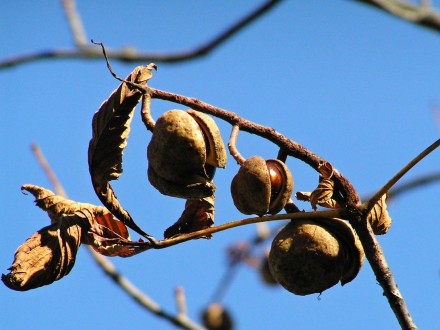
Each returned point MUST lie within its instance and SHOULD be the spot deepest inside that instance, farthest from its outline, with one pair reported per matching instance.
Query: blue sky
(352, 84)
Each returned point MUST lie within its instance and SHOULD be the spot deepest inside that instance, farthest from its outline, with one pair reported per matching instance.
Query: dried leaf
(198, 215)
(303, 196)
(106, 234)
(46, 256)
(326, 170)
(379, 218)
(107, 240)
(111, 128)
(323, 195)
(56, 205)
(50, 253)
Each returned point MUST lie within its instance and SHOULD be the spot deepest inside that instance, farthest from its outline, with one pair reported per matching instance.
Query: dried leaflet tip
(379, 218)
(47, 256)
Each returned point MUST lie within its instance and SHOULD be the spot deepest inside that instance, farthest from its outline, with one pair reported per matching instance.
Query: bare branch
(75, 23)
(48, 170)
(422, 180)
(128, 54)
(373, 200)
(180, 302)
(422, 15)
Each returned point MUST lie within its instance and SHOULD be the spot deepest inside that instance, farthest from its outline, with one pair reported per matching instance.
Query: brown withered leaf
(106, 234)
(379, 218)
(56, 205)
(107, 238)
(198, 215)
(46, 256)
(303, 196)
(111, 128)
(50, 253)
(326, 170)
(323, 195)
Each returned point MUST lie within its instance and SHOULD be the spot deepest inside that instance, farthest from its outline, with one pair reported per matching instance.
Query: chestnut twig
(232, 145)
(146, 112)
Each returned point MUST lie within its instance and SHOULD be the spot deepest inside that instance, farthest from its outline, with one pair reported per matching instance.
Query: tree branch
(128, 54)
(414, 183)
(75, 23)
(353, 210)
(373, 200)
(422, 15)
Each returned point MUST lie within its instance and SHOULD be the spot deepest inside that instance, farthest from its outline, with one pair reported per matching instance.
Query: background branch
(422, 15)
(128, 54)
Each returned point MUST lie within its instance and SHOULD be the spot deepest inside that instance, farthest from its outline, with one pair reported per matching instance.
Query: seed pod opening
(310, 256)
(261, 186)
(183, 153)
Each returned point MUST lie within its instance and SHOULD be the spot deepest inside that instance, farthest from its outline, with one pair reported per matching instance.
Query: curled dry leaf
(50, 253)
(111, 128)
(46, 256)
(326, 170)
(323, 195)
(379, 218)
(56, 205)
(198, 215)
(106, 234)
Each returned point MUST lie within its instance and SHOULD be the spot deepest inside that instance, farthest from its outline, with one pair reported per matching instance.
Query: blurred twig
(373, 200)
(129, 54)
(423, 14)
(180, 320)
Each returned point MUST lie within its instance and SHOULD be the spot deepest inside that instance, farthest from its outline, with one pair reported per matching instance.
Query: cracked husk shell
(251, 187)
(183, 153)
(281, 199)
(309, 256)
(216, 151)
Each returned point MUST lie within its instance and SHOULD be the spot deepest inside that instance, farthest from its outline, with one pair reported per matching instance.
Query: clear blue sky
(352, 84)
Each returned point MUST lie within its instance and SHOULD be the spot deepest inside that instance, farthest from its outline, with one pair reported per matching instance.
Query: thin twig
(132, 55)
(48, 170)
(337, 213)
(417, 182)
(373, 200)
(75, 23)
(141, 298)
(422, 15)
(180, 302)
(147, 119)
(232, 145)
